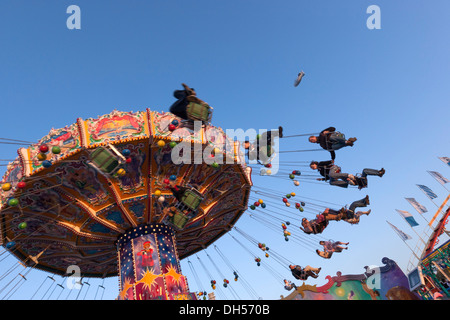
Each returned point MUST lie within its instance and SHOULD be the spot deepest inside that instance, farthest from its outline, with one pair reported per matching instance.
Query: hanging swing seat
(179, 219)
(324, 254)
(190, 200)
(185, 208)
(107, 160)
(199, 112)
(361, 182)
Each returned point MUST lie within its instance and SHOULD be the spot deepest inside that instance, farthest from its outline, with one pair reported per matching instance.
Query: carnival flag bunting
(420, 208)
(408, 217)
(430, 194)
(439, 177)
(445, 160)
(400, 233)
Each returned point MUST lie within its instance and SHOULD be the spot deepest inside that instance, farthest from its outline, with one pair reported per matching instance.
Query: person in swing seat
(262, 148)
(288, 285)
(331, 140)
(318, 225)
(300, 273)
(332, 173)
(330, 247)
(184, 97)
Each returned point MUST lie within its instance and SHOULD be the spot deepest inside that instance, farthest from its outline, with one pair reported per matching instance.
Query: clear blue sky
(387, 87)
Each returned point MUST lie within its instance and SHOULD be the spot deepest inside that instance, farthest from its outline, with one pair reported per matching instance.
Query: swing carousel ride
(103, 194)
(110, 197)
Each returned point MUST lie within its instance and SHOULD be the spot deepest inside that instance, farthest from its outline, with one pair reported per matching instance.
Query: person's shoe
(280, 131)
(381, 172)
(319, 270)
(366, 200)
(190, 91)
(350, 142)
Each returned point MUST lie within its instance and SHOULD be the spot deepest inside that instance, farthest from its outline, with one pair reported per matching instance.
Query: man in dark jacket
(331, 140)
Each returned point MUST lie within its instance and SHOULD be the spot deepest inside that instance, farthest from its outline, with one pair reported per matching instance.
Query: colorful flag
(446, 160)
(420, 208)
(408, 217)
(430, 194)
(400, 233)
(439, 177)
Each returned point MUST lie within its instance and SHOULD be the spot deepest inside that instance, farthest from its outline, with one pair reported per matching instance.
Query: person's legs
(339, 183)
(331, 215)
(178, 108)
(359, 204)
(334, 174)
(309, 268)
(180, 94)
(337, 141)
(372, 172)
(360, 213)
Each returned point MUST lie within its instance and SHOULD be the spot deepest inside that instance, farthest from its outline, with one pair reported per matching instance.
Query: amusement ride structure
(104, 194)
(131, 194)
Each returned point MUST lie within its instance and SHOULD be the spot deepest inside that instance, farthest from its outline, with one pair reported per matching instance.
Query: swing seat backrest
(179, 220)
(199, 112)
(105, 160)
(362, 182)
(191, 199)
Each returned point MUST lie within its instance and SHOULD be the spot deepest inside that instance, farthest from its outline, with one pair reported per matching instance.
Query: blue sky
(389, 88)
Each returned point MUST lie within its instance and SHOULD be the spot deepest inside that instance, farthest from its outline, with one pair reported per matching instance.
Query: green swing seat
(105, 160)
(199, 112)
(186, 208)
(179, 220)
(191, 199)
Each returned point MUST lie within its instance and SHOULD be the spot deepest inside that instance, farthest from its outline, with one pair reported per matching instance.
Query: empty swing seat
(191, 199)
(179, 220)
(105, 160)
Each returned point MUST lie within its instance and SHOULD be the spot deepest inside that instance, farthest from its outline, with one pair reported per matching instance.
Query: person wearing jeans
(331, 140)
(333, 174)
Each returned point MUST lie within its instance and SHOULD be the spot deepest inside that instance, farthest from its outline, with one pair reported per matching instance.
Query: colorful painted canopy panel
(68, 212)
